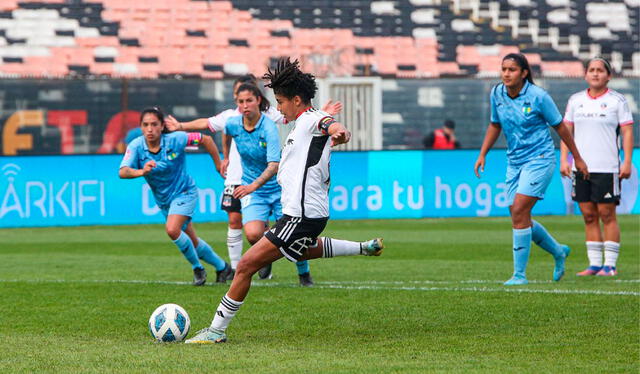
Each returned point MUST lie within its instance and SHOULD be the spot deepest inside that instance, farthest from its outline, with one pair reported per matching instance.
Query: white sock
(337, 247)
(234, 245)
(225, 313)
(594, 252)
(611, 250)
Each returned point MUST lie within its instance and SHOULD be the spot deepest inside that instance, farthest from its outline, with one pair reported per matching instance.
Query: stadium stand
(401, 38)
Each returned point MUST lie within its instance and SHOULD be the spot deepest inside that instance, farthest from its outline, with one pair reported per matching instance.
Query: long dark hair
(156, 111)
(288, 80)
(247, 78)
(522, 62)
(264, 102)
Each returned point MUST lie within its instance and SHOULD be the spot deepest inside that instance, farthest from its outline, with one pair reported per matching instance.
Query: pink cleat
(607, 271)
(591, 270)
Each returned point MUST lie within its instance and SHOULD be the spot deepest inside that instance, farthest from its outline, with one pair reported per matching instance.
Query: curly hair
(288, 80)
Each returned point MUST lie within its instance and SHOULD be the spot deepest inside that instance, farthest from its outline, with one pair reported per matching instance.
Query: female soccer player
(524, 111)
(303, 175)
(159, 158)
(232, 170)
(596, 116)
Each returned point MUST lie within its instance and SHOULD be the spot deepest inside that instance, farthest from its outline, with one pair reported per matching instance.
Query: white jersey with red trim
(304, 167)
(596, 122)
(217, 123)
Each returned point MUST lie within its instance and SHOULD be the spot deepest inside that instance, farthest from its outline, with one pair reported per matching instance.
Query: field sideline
(77, 299)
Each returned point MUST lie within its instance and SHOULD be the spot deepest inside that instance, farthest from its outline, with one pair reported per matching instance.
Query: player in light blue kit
(258, 142)
(525, 111)
(159, 157)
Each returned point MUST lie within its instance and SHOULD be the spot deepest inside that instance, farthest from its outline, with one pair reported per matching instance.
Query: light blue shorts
(260, 207)
(531, 178)
(184, 204)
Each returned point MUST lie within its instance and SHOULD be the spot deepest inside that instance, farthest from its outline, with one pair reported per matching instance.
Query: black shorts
(230, 203)
(293, 235)
(599, 188)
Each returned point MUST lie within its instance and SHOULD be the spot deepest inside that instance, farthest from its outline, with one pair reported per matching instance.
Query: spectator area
(400, 38)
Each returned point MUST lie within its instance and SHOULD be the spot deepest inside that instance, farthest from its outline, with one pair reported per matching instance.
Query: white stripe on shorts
(616, 184)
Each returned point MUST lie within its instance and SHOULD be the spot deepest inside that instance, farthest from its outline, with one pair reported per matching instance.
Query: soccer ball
(169, 323)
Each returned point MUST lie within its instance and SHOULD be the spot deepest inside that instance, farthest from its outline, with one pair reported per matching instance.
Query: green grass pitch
(78, 299)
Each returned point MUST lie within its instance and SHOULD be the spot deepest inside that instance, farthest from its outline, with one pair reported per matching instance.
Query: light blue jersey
(169, 178)
(257, 148)
(525, 121)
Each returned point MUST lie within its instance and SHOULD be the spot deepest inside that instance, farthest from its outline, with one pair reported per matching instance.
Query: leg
(260, 254)
(521, 220)
(208, 255)
(607, 212)
(593, 236)
(234, 238)
(174, 225)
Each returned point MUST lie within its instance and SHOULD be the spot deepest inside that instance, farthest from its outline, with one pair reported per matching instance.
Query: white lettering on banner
(203, 195)
(42, 199)
(340, 202)
(147, 208)
(413, 204)
(397, 190)
(465, 195)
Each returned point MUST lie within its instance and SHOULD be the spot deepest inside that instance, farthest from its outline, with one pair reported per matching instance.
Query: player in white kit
(598, 116)
(304, 176)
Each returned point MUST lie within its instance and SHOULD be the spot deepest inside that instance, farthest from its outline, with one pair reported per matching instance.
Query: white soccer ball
(169, 323)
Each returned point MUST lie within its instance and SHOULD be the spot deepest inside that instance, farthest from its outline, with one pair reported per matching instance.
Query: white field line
(366, 285)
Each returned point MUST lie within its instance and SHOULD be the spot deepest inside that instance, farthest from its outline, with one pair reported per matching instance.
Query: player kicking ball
(304, 177)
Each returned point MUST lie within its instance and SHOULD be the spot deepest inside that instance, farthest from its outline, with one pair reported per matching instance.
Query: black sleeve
(428, 140)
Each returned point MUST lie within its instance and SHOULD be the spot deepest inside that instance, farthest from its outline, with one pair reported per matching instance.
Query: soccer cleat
(305, 279)
(207, 336)
(591, 270)
(607, 271)
(265, 272)
(223, 275)
(558, 270)
(199, 276)
(516, 280)
(372, 247)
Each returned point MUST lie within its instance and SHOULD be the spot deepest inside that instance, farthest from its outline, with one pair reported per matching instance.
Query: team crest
(603, 106)
(262, 144)
(172, 156)
(526, 109)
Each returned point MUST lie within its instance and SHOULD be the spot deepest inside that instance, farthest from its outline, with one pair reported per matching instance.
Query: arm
(339, 134)
(565, 167)
(244, 190)
(627, 147)
(212, 149)
(195, 125)
(226, 145)
(493, 131)
(565, 134)
(130, 173)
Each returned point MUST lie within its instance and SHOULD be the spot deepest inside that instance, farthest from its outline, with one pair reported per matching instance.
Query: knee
(608, 217)
(245, 269)
(173, 232)
(235, 221)
(520, 217)
(253, 237)
(590, 217)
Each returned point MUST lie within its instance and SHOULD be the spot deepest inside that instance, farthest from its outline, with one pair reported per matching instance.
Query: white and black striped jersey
(304, 166)
(217, 124)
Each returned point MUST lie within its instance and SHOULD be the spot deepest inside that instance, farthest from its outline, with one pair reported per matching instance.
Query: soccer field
(77, 299)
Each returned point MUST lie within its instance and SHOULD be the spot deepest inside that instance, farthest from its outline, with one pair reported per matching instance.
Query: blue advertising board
(86, 190)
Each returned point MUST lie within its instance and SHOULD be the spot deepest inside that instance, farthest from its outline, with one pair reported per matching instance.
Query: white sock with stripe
(594, 252)
(611, 251)
(225, 313)
(234, 245)
(336, 247)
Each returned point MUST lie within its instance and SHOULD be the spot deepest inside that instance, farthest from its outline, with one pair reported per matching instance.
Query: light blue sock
(521, 248)
(185, 246)
(303, 267)
(541, 237)
(206, 253)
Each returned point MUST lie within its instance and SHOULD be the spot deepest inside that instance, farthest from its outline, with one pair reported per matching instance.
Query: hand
(565, 169)
(148, 166)
(340, 137)
(223, 168)
(172, 124)
(479, 166)
(581, 166)
(332, 108)
(243, 190)
(625, 170)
